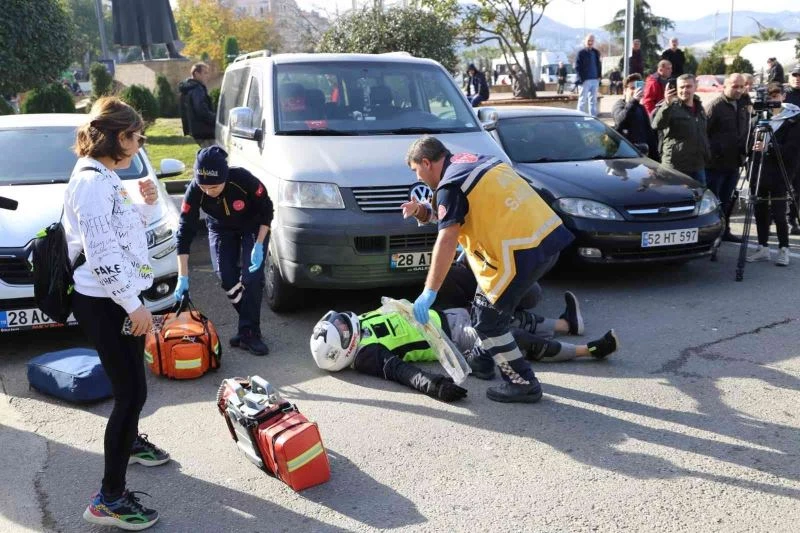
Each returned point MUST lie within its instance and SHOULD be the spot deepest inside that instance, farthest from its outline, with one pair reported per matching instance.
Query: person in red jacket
(655, 84)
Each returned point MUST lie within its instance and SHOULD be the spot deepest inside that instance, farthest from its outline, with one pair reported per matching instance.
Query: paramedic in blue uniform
(238, 215)
(511, 238)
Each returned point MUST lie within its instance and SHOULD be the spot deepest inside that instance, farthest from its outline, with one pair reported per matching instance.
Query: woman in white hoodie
(103, 223)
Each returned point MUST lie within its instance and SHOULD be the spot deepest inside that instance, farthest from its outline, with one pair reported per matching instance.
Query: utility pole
(628, 39)
(730, 23)
(98, 11)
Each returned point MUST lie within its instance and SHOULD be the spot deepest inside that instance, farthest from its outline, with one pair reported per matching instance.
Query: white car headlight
(579, 207)
(159, 234)
(310, 195)
(709, 203)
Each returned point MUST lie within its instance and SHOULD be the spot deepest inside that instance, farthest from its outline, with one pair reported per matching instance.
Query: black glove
(445, 390)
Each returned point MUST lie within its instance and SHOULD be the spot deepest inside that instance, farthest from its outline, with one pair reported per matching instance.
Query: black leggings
(768, 210)
(123, 361)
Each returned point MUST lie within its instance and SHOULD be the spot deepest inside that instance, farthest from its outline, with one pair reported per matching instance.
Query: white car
(36, 159)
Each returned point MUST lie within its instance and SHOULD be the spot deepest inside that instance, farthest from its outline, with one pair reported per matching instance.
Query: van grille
(381, 199)
(405, 242)
(375, 243)
(15, 271)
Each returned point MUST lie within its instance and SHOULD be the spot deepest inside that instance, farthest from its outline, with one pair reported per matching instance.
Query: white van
(328, 134)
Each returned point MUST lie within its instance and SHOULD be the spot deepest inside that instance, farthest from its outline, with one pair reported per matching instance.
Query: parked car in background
(36, 160)
(707, 83)
(622, 206)
(327, 134)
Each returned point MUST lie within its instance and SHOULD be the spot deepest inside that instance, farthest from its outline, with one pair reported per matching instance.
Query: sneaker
(514, 393)
(572, 314)
(604, 346)
(795, 230)
(481, 367)
(253, 344)
(761, 254)
(234, 341)
(146, 453)
(125, 513)
(783, 257)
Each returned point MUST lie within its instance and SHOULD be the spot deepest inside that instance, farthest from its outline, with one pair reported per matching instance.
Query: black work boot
(253, 344)
(482, 367)
(514, 393)
(234, 341)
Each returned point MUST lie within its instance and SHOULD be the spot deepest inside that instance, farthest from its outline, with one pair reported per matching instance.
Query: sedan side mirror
(241, 124)
(171, 167)
(643, 148)
(488, 117)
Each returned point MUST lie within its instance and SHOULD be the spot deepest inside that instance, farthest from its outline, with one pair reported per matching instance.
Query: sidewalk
(605, 104)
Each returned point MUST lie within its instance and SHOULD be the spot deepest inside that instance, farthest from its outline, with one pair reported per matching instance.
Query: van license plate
(411, 261)
(651, 239)
(27, 319)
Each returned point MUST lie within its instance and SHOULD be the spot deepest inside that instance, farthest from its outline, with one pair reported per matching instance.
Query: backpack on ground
(272, 433)
(187, 345)
(53, 269)
(75, 375)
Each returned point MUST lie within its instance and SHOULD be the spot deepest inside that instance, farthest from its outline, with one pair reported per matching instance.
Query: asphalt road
(692, 426)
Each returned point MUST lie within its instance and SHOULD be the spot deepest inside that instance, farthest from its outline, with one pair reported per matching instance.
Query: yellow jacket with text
(508, 229)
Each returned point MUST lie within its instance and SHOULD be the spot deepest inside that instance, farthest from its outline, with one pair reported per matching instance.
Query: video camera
(762, 103)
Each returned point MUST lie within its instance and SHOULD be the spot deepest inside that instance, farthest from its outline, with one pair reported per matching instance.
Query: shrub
(52, 98)
(142, 100)
(214, 95)
(102, 81)
(740, 65)
(5, 107)
(229, 50)
(711, 65)
(167, 102)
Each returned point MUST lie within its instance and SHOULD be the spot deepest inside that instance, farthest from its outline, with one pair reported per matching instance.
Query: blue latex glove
(422, 304)
(256, 256)
(182, 287)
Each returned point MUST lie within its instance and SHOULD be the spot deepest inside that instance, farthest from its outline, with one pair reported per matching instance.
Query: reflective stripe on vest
(396, 334)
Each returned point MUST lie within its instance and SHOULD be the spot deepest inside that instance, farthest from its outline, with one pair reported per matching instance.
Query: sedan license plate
(411, 261)
(669, 237)
(28, 319)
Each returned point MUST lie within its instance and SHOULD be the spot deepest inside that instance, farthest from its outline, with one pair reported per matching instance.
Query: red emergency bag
(272, 433)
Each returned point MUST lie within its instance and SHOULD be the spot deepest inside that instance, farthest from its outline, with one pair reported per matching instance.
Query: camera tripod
(763, 131)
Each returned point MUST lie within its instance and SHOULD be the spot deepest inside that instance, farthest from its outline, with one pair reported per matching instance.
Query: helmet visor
(344, 326)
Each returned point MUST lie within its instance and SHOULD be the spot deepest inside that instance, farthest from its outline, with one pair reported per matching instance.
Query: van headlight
(310, 195)
(709, 203)
(159, 234)
(579, 207)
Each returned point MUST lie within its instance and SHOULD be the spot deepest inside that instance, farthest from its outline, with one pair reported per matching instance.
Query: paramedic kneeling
(239, 212)
(511, 238)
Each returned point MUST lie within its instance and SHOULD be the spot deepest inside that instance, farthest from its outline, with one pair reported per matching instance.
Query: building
(299, 29)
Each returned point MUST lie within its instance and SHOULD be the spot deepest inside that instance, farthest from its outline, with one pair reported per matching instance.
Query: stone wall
(145, 72)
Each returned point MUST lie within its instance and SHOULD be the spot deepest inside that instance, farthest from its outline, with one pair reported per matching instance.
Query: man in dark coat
(197, 113)
(675, 56)
(144, 22)
(631, 118)
(775, 72)
(477, 88)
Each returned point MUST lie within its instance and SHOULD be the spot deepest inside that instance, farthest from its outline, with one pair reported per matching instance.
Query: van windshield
(368, 98)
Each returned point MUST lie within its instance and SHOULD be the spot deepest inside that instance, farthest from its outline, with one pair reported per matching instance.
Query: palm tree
(770, 34)
(646, 27)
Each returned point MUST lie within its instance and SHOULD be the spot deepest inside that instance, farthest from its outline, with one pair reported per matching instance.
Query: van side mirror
(241, 124)
(170, 167)
(488, 117)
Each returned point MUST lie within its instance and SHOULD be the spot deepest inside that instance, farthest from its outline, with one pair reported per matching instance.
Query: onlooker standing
(793, 94)
(636, 61)
(631, 118)
(728, 123)
(102, 222)
(561, 77)
(771, 195)
(197, 113)
(775, 72)
(495, 75)
(477, 88)
(675, 56)
(615, 82)
(588, 70)
(682, 122)
(655, 84)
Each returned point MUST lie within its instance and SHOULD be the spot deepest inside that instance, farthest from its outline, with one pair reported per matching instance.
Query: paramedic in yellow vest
(511, 238)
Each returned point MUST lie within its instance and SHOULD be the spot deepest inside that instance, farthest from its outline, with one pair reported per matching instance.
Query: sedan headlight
(310, 195)
(158, 235)
(578, 207)
(709, 203)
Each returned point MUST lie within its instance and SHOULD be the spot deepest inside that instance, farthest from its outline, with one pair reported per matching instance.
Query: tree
(419, 32)
(204, 24)
(646, 27)
(142, 100)
(86, 38)
(230, 50)
(735, 46)
(102, 82)
(52, 98)
(740, 65)
(711, 64)
(770, 34)
(32, 37)
(690, 65)
(165, 95)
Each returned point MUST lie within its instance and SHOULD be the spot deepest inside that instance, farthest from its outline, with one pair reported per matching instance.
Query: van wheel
(280, 295)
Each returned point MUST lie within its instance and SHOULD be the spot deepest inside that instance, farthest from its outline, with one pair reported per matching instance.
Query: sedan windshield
(368, 98)
(44, 155)
(564, 138)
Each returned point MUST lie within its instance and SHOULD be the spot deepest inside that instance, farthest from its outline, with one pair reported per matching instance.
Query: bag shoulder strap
(81, 259)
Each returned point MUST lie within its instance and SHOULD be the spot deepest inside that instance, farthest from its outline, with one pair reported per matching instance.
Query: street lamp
(730, 23)
(98, 11)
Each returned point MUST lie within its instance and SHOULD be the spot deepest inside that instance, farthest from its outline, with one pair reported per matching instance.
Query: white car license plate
(28, 319)
(651, 239)
(411, 260)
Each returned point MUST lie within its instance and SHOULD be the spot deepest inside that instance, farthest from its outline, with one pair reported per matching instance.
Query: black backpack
(53, 269)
